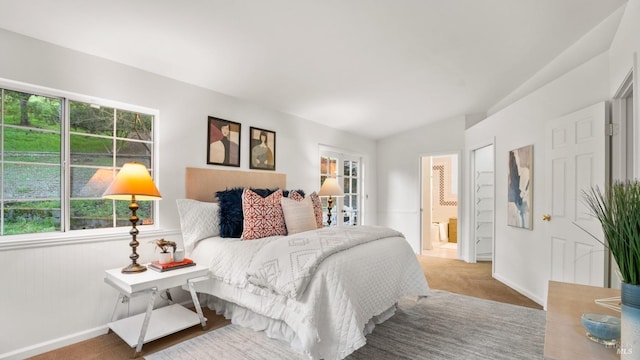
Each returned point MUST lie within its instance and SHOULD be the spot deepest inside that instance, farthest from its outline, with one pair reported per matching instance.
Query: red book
(155, 265)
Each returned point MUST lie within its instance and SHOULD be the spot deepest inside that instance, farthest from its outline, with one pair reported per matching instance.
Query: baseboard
(484, 257)
(43, 347)
(522, 291)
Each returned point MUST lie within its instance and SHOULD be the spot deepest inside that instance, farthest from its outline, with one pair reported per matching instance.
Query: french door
(347, 169)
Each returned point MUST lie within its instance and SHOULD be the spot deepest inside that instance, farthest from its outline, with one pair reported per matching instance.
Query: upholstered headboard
(202, 184)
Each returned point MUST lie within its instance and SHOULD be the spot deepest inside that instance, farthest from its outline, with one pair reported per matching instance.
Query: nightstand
(153, 324)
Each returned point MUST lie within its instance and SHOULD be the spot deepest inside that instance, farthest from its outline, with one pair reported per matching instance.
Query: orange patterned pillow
(262, 216)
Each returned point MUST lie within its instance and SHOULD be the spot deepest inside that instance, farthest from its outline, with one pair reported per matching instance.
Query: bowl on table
(602, 328)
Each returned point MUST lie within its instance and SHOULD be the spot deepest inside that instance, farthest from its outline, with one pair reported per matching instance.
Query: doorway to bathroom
(439, 204)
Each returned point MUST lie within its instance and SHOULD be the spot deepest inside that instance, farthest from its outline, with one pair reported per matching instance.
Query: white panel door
(575, 149)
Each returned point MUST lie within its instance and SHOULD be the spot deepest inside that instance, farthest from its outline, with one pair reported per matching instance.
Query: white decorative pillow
(298, 215)
(198, 220)
(317, 205)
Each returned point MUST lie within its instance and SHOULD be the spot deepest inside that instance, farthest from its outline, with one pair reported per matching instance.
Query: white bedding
(286, 266)
(343, 298)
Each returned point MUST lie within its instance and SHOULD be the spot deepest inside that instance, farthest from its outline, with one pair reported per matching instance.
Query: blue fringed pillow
(263, 192)
(230, 212)
(288, 193)
(231, 216)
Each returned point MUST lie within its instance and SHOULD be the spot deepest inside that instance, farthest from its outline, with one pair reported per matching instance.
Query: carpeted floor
(475, 280)
(442, 326)
(451, 275)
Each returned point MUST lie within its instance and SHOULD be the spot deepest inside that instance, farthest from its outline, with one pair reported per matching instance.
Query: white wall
(625, 45)
(426, 201)
(399, 159)
(521, 257)
(442, 213)
(55, 295)
(623, 58)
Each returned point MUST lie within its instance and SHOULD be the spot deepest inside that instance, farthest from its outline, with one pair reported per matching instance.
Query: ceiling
(371, 67)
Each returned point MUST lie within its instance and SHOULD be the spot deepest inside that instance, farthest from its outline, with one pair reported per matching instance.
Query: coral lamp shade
(133, 179)
(330, 187)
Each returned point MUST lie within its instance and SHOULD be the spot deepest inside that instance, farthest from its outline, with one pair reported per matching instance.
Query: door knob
(546, 217)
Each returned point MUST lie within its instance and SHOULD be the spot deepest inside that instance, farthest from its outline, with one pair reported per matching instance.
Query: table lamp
(133, 182)
(330, 188)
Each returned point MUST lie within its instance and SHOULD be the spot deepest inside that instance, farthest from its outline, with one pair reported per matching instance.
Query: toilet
(443, 231)
(434, 235)
(439, 233)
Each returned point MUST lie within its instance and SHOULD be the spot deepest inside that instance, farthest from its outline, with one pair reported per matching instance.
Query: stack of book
(174, 265)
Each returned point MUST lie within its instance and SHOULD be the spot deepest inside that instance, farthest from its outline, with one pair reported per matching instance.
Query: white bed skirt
(277, 329)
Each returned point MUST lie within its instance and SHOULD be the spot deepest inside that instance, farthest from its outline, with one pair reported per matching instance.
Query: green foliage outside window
(101, 139)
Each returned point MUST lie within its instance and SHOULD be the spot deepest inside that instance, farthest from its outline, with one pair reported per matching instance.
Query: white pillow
(298, 215)
(198, 220)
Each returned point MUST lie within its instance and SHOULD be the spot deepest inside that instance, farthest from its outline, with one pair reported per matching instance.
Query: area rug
(442, 326)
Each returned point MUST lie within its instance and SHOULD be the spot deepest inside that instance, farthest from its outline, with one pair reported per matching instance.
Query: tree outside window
(34, 172)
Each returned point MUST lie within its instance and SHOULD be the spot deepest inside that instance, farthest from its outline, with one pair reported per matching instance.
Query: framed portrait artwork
(262, 154)
(223, 142)
(520, 194)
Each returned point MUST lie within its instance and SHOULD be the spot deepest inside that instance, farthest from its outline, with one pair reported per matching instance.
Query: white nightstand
(153, 324)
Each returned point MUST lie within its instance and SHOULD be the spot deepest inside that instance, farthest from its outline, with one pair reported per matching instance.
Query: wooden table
(565, 338)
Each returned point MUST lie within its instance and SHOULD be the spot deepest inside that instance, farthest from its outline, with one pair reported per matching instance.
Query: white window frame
(65, 236)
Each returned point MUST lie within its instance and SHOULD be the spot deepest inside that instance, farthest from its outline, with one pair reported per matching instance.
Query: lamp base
(134, 268)
(329, 207)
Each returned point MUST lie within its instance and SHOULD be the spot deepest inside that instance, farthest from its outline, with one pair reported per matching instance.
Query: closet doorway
(483, 194)
(439, 204)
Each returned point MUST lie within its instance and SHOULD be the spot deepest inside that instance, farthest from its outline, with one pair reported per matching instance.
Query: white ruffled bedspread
(350, 291)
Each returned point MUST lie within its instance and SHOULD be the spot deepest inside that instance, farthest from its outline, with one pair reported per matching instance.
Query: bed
(320, 290)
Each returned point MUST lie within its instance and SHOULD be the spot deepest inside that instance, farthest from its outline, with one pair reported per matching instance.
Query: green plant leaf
(618, 210)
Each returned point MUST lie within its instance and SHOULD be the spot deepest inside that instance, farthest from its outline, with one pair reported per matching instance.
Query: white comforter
(286, 266)
(331, 317)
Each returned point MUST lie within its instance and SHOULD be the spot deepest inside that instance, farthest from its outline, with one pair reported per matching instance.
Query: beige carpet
(476, 280)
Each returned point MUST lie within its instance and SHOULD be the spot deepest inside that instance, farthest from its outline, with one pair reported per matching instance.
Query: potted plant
(618, 210)
(165, 256)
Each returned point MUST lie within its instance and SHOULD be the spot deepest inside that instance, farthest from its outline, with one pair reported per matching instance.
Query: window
(347, 169)
(351, 201)
(58, 157)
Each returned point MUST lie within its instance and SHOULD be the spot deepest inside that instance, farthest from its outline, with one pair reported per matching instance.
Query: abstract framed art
(262, 154)
(520, 196)
(223, 142)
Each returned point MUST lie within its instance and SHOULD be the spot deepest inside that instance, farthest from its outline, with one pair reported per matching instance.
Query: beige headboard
(202, 184)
